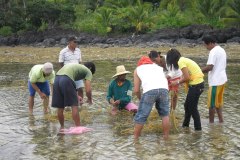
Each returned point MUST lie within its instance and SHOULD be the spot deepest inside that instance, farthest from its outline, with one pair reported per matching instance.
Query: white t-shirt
(218, 58)
(67, 56)
(152, 77)
(172, 72)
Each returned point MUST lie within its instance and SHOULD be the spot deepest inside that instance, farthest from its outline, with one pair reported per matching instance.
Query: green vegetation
(105, 17)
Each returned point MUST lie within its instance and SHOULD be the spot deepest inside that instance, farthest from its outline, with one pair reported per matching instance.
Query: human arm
(126, 93)
(41, 94)
(185, 77)
(51, 88)
(110, 95)
(61, 58)
(88, 91)
(137, 83)
(207, 68)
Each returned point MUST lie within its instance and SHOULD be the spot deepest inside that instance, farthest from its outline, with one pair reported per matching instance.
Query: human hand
(80, 100)
(174, 83)
(111, 101)
(117, 102)
(42, 95)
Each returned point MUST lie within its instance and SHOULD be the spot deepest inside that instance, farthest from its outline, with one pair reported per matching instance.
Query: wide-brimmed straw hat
(120, 70)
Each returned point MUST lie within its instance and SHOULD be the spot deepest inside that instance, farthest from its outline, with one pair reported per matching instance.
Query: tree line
(115, 16)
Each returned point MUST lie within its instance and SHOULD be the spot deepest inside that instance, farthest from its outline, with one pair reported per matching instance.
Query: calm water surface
(36, 137)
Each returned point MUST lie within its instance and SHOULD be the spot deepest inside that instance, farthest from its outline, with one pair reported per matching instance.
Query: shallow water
(36, 137)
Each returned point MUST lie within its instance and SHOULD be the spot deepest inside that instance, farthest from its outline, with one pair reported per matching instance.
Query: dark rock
(189, 35)
(234, 39)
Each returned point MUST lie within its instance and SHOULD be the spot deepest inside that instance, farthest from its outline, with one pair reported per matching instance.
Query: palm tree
(233, 16)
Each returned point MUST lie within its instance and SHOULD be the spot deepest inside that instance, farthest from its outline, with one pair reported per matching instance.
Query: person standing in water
(72, 54)
(217, 77)
(64, 89)
(39, 78)
(151, 78)
(193, 79)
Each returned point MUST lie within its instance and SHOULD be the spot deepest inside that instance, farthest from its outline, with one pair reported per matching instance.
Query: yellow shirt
(195, 72)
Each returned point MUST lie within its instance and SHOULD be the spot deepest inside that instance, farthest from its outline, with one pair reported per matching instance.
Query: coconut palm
(233, 15)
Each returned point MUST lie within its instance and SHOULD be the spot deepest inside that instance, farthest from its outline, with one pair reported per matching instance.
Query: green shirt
(122, 93)
(76, 72)
(36, 75)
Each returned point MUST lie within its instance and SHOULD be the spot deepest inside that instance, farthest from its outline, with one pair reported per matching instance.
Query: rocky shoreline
(190, 35)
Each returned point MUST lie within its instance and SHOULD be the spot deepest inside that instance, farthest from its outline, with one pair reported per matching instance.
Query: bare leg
(46, 104)
(174, 100)
(75, 115)
(137, 131)
(220, 116)
(165, 124)
(211, 115)
(61, 117)
(30, 104)
(114, 110)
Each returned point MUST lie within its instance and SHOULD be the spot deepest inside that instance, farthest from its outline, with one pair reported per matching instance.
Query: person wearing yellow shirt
(193, 78)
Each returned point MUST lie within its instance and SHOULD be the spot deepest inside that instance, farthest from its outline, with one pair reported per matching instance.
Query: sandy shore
(25, 54)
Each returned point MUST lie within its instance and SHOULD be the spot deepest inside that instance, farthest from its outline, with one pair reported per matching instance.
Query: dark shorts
(43, 86)
(64, 92)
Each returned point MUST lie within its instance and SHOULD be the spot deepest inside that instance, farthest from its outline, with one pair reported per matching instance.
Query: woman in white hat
(119, 93)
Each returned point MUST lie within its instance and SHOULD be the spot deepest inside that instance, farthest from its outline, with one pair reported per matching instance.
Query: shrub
(6, 31)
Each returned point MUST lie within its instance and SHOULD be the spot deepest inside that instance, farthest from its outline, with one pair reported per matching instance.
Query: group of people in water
(154, 77)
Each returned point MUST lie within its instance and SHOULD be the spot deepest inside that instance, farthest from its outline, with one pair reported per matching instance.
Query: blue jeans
(158, 96)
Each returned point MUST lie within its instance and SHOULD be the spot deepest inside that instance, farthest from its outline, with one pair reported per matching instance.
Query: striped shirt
(68, 56)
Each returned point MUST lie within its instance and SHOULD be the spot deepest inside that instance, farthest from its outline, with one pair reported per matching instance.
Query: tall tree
(233, 15)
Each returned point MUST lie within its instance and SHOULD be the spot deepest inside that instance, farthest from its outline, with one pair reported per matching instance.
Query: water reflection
(35, 137)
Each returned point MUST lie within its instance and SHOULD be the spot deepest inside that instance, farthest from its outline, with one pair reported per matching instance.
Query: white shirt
(217, 57)
(152, 77)
(67, 56)
(172, 72)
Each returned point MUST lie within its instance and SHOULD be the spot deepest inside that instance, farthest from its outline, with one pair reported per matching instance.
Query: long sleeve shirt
(122, 93)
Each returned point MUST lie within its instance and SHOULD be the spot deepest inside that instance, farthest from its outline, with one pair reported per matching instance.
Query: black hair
(208, 39)
(153, 54)
(72, 38)
(172, 58)
(91, 66)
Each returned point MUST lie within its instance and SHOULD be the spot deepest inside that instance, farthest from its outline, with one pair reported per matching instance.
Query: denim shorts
(157, 96)
(43, 86)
